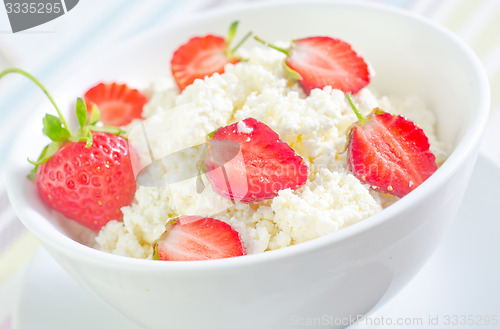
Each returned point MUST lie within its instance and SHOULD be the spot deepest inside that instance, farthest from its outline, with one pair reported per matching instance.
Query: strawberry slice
(248, 162)
(321, 61)
(198, 238)
(389, 152)
(201, 57)
(118, 103)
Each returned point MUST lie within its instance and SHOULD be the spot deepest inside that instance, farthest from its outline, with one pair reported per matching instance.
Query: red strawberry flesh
(390, 153)
(198, 238)
(325, 61)
(89, 184)
(264, 166)
(118, 103)
(198, 58)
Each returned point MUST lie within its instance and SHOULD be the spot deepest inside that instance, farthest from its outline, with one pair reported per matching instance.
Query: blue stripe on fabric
(157, 17)
(55, 65)
(18, 99)
(4, 151)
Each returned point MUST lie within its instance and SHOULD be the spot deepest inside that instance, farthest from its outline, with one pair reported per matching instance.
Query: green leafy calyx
(57, 129)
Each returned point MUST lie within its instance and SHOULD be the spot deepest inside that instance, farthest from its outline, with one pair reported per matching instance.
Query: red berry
(89, 184)
(198, 238)
(200, 57)
(118, 103)
(86, 174)
(249, 162)
(318, 62)
(390, 153)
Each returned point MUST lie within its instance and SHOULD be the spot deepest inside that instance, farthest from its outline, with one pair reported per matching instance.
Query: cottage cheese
(315, 126)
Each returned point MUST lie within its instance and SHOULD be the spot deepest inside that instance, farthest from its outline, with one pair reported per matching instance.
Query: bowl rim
(55, 239)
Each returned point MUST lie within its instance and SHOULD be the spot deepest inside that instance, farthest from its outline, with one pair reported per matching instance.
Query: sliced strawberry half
(322, 61)
(198, 238)
(201, 57)
(389, 152)
(198, 58)
(118, 103)
(248, 162)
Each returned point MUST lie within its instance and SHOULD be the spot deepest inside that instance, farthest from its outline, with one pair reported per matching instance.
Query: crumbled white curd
(315, 126)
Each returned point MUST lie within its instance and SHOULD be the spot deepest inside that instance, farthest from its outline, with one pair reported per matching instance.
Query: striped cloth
(51, 51)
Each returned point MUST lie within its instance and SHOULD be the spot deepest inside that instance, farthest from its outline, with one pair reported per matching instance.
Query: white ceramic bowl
(334, 278)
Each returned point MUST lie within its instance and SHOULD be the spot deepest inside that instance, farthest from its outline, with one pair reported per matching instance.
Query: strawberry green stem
(361, 117)
(39, 84)
(232, 31)
(230, 37)
(265, 43)
(241, 42)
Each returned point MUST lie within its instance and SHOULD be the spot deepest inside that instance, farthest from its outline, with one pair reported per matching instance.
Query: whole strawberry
(88, 184)
(85, 175)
